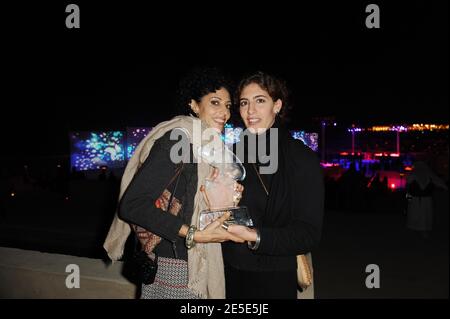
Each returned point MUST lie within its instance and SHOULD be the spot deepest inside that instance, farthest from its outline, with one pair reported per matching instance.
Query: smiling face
(213, 108)
(257, 108)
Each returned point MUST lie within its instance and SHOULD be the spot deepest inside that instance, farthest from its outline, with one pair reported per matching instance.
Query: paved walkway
(410, 267)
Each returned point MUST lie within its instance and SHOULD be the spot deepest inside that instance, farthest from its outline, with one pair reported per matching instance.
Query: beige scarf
(205, 263)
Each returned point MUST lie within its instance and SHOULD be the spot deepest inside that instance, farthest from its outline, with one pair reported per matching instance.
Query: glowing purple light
(399, 128)
(355, 129)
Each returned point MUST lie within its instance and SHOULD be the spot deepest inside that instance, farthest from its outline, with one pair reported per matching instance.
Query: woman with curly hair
(161, 196)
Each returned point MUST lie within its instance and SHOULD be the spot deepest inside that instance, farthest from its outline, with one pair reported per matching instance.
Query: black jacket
(290, 219)
(138, 202)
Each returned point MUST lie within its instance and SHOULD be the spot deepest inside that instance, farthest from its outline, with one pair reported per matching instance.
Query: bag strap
(260, 179)
(177, 176)
(178, 171)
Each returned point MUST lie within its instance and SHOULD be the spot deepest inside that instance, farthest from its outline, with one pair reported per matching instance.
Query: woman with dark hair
(284, 197)
(161, 195)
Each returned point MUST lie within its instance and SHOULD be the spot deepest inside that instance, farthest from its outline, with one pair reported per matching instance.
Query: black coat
(138, 202)
(290, 219)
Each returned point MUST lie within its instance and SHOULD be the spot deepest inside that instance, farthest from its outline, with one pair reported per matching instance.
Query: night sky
(122, 66)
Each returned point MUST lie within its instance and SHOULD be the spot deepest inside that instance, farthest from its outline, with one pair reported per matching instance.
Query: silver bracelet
(190, 237)
(255, 245)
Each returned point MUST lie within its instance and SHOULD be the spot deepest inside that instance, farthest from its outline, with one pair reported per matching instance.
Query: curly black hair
(199, 82)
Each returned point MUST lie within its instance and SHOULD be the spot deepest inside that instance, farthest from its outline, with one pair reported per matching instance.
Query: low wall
(32, 274)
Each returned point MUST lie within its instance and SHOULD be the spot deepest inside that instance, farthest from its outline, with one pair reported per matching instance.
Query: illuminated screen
(134, 136)
(231, 135)
(309, 139)
(92, 150)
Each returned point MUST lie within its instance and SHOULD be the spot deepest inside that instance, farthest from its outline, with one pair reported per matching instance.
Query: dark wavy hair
(275, 86)
(199, 82)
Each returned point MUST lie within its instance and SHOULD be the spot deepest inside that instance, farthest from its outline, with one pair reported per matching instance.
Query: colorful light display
(98, 150)
(92, 150)
(231, 135)
(309, 139)
(402, 128)
(134, 136)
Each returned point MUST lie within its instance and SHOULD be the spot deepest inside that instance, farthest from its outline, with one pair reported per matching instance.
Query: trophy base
(239, 216)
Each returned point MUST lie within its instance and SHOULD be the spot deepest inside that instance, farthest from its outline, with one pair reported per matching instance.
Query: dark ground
(410, 267)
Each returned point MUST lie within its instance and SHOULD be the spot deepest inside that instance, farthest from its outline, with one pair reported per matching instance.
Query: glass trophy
(219, 191)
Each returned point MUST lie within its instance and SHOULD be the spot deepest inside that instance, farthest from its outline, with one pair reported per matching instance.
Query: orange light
(408, 168)
(344, 153)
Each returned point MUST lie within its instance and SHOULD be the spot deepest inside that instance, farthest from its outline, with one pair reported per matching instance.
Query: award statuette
(220, 192)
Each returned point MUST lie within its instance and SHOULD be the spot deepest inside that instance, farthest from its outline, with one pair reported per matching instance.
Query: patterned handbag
(148, 239)
(143, 265)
